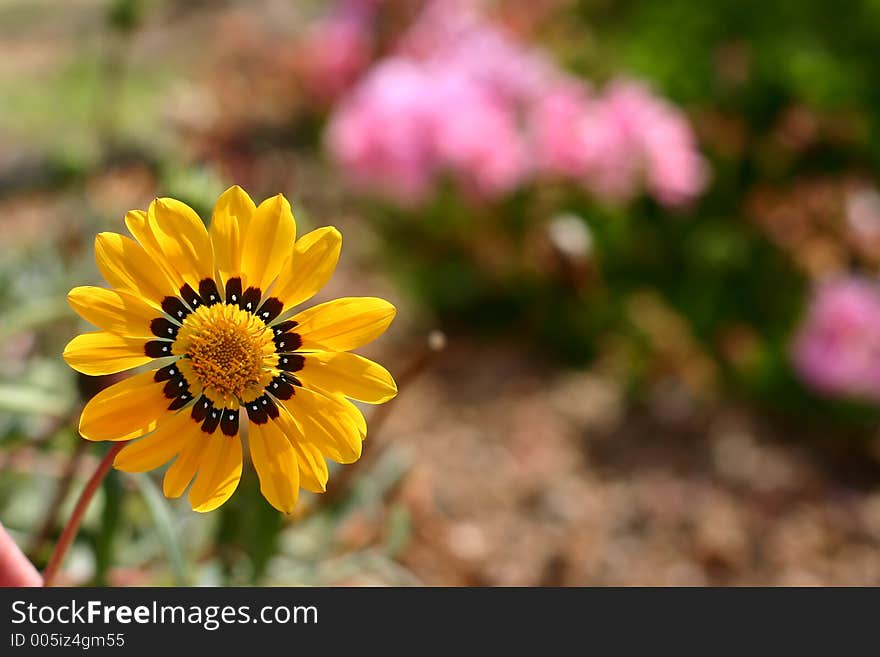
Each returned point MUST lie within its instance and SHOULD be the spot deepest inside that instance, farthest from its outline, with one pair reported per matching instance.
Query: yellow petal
(116, 312)
(159, 447)
(105, 353)
(276, 465)
(354, 414)
(138, 224)
(309, 267)
(219, 472)
(268, 242)
(323, 422)
(313, 473)
(349, 375)
(182, 240)
(343, 324)
(126, 266)
(229, 223)
(184, 468)
(125, 410)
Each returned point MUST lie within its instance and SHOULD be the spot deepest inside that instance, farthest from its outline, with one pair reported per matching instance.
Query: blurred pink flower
(481, 146)
(465, 99)
(557, 123)
(837, 348)
(633, 136)
(337, 49)
(454, 35)
(334, 54)
(378, 133)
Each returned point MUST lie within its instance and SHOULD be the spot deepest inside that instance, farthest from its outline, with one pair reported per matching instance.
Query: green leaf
(164, 525)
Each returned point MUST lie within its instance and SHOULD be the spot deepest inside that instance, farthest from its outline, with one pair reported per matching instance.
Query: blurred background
(633, 245)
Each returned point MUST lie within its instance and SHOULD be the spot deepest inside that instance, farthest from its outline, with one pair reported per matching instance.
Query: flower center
(229, 351)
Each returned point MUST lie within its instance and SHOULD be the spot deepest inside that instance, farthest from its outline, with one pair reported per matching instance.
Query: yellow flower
(210, 313)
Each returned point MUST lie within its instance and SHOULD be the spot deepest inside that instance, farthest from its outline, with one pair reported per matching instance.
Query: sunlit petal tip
(348, 375)
(100, 353)
(236, 201)
(135, 220)
(344, 324)
(236, 190)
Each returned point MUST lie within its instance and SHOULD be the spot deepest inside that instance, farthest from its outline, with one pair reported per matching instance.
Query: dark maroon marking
(157, 348)
(212, 420)
(280, 388)
(283, 327)
(180, 402)
(256, 410)
(174, 387)
(233, 291)
(270, 309)
(269, 405)
(251, 299)
(163, 328)
(201, 408)
(208, 292)
(288, 341)
(291, 362)
(229, 422)
(291, 379)
(165, 373)
(190, 296)
(175, 308)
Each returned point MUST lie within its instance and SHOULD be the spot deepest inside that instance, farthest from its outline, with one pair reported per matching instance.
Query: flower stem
(72, 526)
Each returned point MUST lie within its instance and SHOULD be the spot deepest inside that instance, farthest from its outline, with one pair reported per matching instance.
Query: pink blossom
(453, 35)
(337, 49)
(333, 55)
(378, 134)
(462, 98)
(611, 150)
(481, 145)
(630, 136)
(837, 348)
(557, 123)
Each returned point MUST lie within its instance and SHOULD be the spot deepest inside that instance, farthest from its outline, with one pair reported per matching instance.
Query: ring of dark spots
(291, 362)
(250, 299)
(283, 327)
(270, 309)
(180, 401)
(229, 422)
(175, 308)
(208, 291)
(157, 348)
(280, 388)
(201, 408)
(163, 328)
(176, 387)
(165, 373)
(288, 341)
(212, 420)
(173, 387)
(261, 409)
(233, 290)
(190, 296)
